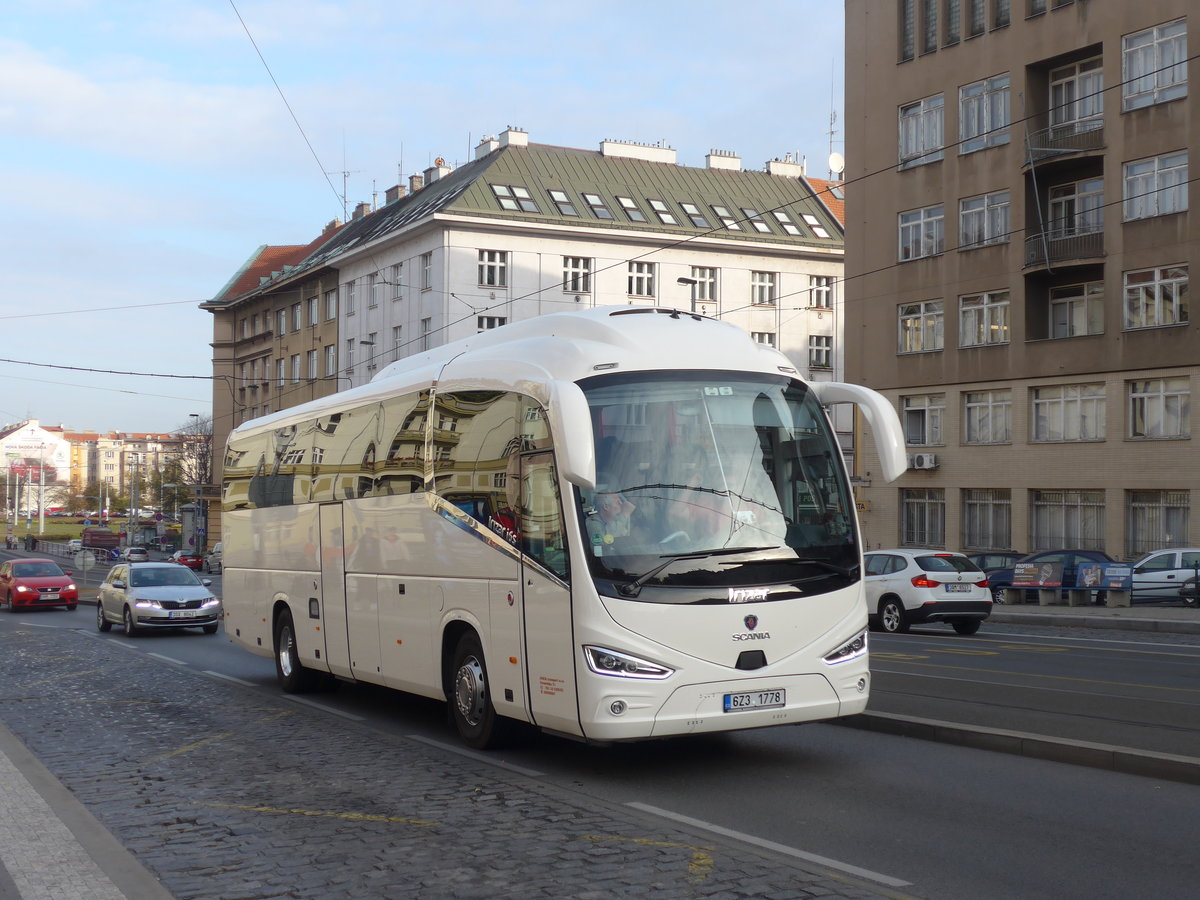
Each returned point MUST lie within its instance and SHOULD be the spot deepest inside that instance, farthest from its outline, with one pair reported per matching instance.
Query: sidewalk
(1139, 617)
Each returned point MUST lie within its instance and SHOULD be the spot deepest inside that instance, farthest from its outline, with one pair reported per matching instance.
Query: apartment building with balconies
(1019, 243)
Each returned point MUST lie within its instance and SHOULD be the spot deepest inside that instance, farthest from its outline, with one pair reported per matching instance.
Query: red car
(36, 582)
(187, 558)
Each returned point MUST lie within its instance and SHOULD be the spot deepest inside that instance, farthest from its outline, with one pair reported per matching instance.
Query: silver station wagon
(156, 595)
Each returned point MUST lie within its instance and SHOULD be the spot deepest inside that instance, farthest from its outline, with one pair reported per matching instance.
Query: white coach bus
(612, 524)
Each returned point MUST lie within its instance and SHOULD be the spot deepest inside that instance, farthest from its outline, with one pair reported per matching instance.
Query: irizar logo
(747, 595)
(751, 623)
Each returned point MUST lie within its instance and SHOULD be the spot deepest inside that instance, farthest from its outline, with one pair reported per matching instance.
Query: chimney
(438, 170)
(392, 194)
(514, 137)
(334, 225)
(633, 150)
(415, 183)
(486, 146)
(361, 210)
(723, 159)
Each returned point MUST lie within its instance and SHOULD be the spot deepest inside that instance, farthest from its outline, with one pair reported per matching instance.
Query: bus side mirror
(571, 425)
(880, 415)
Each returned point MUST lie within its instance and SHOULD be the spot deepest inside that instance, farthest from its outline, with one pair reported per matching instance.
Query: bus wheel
(471, 701)
(293, 677)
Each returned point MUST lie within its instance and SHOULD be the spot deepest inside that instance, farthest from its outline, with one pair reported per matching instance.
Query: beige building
(1018, 251)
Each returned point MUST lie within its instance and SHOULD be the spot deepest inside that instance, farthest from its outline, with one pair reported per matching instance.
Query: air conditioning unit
(922, 461)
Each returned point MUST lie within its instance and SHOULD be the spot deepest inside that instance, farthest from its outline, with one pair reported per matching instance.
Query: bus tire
(470, 698)
(293, 677)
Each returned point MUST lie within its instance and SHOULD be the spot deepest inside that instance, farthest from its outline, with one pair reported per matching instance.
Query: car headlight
(141, 603)
(852, 649)
(210, 602)
(21, 589)
(70, 587)
(621, 665)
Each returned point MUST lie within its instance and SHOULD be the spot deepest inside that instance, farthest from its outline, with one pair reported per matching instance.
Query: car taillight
(922, 581)
(983, 583)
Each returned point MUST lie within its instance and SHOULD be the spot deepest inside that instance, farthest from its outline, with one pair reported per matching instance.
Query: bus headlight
(852, 649)
(603, 661)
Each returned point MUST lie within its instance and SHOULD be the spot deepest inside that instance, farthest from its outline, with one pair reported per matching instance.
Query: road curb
(1163, 766)
(1002, 615)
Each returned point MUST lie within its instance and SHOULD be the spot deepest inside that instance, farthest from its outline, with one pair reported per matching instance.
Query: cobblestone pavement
(224, 793)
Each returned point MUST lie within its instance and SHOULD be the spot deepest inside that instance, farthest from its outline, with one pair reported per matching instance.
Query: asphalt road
(191, 714)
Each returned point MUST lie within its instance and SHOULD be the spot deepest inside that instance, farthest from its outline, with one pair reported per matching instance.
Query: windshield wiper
(847, 571)
(635, 587)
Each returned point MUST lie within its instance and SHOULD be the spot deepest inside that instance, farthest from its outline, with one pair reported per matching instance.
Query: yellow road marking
(878, 654)
(961, 652)
(1035, 649)
(698, 869)
(218, 737)
(346, 816)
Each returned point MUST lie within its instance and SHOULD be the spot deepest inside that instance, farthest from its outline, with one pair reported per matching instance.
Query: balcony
(1063, 245)
(1081, 136)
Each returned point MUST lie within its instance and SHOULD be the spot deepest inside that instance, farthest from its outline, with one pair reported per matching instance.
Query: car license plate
(755, 700)
(184, 613)
(963, 588)
(49, 596)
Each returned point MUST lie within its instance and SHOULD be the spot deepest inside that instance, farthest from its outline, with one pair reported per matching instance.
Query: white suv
(905, 587)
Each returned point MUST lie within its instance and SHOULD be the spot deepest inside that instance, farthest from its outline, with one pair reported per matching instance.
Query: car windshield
(36, 570)
(696, 462)
(172, 575)
(946, 564)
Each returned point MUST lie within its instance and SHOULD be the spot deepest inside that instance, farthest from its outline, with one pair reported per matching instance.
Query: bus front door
(333, 590)
(546, 597)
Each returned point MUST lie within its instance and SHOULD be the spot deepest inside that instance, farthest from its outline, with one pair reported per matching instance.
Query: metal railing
(1069, 137)
(1059, 245)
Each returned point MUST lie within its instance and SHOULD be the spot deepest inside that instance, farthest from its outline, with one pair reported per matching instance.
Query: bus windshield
(692, 466)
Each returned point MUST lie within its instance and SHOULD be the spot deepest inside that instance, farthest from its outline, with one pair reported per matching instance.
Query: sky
(149, 148)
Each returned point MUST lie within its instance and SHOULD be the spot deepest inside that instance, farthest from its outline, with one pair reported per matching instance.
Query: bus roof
(531, 356)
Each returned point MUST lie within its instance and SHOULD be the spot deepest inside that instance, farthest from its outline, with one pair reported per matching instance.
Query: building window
(493, 268)
(331, 304)
(908, 29)
(312, 364)
(1036, 7)
(563, 202)
(922, 232)
(351, 301)
(397, 342)
(487, 323)
(1077, 96)
(1060, 519)
(374, 290)
(929, 25)
(953, 22)
(693, 213)
(641, 279)
(923, 517)
(1159, 408)
(1154, 65)
(280, 372)
(517, 199)
(1001, 16)
(330, 360)
(983, 114)
(597, 205)
(1156, 297)
(664, 214)
(1156, 186)
(757, 222)
(987, 518)
(426, 330)
(922, 326)
(727, 218)
(349, 354)
(987, 417)
(976, 21)
(1077, 309)
(820, 351)
(815, 224)
(983, 319)
(922, 134)
(922, 418)
(983, 220)
(820, 291)
(1068, 412)
(1156, 520)
(786, 223)
(313, 311)
(764, 287)
(705, 288)
(766, 338)
(426, 271)
(397, 280)
(577, 274)
(372, 355)
(631, 209)
(281, 318)
(1076, 208)
(295, 368)
(245, 328)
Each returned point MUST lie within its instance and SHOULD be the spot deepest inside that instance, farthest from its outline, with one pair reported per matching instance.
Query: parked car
(74, 544)
(1001, 579)
(991, 560)
(135, 554)
(187, 558)
(212, 562)
(1168, 574)
(156, 595)
(27, 583)
(905, 587)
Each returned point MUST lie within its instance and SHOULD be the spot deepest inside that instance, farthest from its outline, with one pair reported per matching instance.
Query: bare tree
(195, 458)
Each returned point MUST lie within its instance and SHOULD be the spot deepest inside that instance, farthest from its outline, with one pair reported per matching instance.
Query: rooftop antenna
(837, 163)
(345, 178)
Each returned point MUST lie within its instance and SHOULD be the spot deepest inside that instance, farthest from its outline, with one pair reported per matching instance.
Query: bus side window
(540, 512)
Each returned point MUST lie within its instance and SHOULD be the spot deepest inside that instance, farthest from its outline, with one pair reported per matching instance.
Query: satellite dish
(439, 162)
(837, 163)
